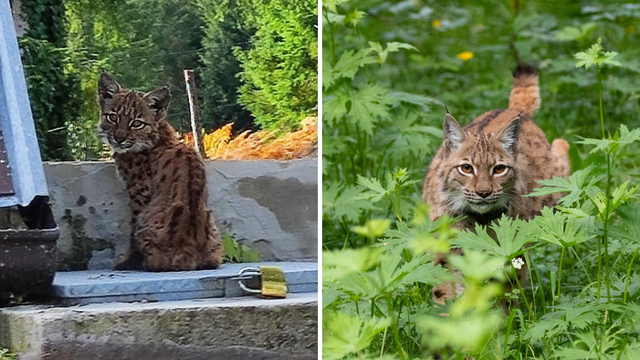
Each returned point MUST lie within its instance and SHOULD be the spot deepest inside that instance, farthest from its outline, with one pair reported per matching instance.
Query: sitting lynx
(483, 170)
(171, 226)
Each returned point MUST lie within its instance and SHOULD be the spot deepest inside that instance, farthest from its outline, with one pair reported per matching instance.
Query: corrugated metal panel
(16, 120)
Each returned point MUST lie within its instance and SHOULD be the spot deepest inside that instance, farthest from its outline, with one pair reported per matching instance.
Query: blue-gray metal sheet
(16, 119)
(95, 286)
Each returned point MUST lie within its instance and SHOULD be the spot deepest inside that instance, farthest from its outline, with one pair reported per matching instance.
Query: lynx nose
(484, 193)
(119, 137)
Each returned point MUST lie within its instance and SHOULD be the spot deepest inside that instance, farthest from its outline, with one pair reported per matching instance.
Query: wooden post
(196, 128)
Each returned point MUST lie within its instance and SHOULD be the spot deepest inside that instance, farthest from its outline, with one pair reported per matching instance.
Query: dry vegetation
(248, 145)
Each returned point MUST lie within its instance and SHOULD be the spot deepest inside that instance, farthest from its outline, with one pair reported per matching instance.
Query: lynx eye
(137, 124)
(112, 118)
(499, 169)
(465, 169)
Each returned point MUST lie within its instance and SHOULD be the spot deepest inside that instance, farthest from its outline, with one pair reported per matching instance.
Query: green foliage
(579, 300)
(219, 72)
(52, 91)
(234, 252)
(5, 354)
(279, 70)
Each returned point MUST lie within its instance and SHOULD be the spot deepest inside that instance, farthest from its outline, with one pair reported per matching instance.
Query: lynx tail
(525, 95)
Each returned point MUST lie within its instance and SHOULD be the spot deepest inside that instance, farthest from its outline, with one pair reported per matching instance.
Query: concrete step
(84, 287)
(222, 328)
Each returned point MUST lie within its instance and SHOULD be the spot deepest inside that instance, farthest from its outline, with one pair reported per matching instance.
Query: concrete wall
(269, 206)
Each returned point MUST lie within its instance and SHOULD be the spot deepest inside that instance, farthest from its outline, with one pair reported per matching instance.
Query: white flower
(517, 263)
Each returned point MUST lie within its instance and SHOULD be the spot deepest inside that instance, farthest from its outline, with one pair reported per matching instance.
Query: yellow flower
(465, 55)
(436, 23)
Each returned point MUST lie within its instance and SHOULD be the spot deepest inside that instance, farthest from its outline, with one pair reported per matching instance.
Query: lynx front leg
(133, 259)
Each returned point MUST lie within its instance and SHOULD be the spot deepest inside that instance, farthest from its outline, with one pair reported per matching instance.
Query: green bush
(280, 69)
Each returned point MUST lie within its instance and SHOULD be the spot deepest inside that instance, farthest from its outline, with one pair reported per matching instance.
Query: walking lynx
(171, 226)
(483, 170)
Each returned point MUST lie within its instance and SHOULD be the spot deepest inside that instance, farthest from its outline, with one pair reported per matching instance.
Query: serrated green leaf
(556, 228)
(575, 186)
(511, 236)
(338, 202)
(346, 335)
(368, 105)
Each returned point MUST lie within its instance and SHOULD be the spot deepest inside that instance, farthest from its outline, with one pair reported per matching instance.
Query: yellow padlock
(273, 283)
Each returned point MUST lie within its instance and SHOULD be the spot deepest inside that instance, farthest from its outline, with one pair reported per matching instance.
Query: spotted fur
(171, 225)
(483, 170)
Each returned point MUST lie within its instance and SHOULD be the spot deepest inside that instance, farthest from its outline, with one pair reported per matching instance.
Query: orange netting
(260, 145)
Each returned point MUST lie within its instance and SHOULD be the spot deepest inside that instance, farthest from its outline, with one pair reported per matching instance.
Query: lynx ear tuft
(107, 88)
(158, 100)
(510, 135)
(452, 133)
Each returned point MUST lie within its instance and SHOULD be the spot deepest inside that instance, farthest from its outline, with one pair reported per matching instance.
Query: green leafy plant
(5, 354)
(234, 252)
(381, 126)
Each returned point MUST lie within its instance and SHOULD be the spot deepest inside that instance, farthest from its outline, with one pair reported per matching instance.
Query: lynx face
(481, 167)
(129, 119)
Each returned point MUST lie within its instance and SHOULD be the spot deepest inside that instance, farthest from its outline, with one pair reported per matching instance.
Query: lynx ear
(452, 133)
(158, 99)
(510, 135)
(107, 88)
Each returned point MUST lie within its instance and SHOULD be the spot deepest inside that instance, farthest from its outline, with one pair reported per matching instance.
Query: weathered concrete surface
(239, 328)
(269, 206)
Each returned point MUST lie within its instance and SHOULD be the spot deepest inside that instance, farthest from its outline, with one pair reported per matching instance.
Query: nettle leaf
(544, 328)
(419, 269)
(339, 202)
(603, 145)
(394, 182)
(353, 17)
(367, 106)
(406, 136)
(556, 228)
(335, 106)
(625, 137)
(376, 190)
(574, 186)
(620, 283)
(344, 335)
(330, 294)
(421, 236)
(391, 47)
(619, 196)
(577, 312)
(511, 236)
(595, 55)
(346, 67)
(630, 227)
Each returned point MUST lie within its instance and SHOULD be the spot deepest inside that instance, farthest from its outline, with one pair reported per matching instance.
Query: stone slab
(238, 328)
(270, 206)
(94, 286)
